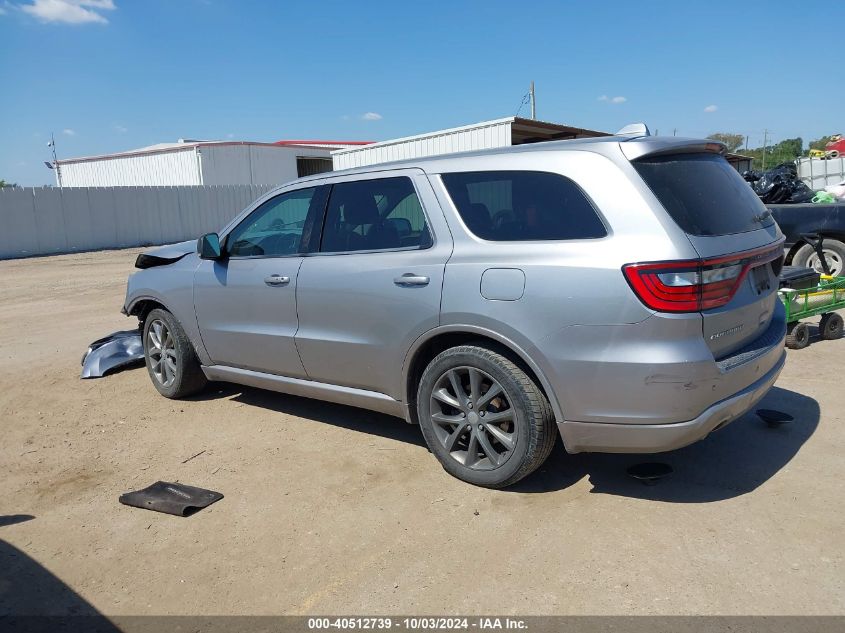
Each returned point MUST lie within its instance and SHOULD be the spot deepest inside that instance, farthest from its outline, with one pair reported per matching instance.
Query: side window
(512, 206)
(372, 215)
(275, 228)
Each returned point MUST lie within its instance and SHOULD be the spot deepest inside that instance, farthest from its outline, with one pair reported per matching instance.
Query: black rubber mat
(169, 498)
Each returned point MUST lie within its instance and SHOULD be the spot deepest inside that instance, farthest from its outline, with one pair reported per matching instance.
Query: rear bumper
(656, 438)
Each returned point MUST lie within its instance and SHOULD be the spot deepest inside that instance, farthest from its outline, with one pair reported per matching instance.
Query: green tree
(791, 147)
(4, 184)
(732, 141)
(784, 152)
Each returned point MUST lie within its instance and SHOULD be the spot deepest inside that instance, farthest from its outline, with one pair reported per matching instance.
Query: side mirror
(208, 246)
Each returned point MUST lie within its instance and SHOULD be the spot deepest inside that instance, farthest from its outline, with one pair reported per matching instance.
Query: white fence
(46, 220)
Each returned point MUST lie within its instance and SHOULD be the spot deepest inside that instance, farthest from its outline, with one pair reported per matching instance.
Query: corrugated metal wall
(174, 168)
(224, 164)
(495, 195)
(43, 221)
(411, 210)
(252, 164)
(495, 134)
(243, 164)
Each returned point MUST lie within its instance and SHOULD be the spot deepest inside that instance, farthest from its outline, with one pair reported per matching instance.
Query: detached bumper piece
(115, 350)
(177, 499)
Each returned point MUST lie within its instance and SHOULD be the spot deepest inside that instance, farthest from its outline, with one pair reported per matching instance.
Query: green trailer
(822, 299)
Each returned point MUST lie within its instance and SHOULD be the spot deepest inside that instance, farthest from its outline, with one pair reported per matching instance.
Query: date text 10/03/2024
(417, 623)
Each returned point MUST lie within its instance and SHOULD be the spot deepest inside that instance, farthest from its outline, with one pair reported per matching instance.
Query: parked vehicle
(835, 147)
(620, 291)
(797, 221)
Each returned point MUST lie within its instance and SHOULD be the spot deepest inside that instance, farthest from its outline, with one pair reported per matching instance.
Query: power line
(528, 97)
(525, 99)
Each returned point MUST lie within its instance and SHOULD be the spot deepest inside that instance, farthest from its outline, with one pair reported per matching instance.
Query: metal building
(739, 162)
(191, 162)
(484, 135)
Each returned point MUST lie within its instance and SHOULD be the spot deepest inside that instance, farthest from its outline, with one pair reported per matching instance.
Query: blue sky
(111, 75)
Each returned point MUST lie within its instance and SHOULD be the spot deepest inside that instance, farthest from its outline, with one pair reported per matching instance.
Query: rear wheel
(797, 336)
(171, 361)
(484, 419)
(834, 254)
(831, 326)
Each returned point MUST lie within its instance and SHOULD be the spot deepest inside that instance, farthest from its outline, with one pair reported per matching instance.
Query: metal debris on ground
(772, 418)
(171, 498)
(118, 349)
(649, 473)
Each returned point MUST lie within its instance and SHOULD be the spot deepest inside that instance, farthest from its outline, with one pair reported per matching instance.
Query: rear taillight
(694, 285)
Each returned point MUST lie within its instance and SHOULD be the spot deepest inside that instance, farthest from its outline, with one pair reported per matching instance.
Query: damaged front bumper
(118, 349)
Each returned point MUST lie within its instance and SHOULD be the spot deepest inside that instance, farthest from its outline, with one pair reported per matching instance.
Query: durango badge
(729, 332)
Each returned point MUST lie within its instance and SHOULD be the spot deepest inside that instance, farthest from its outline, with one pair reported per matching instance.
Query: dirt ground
(330, 509)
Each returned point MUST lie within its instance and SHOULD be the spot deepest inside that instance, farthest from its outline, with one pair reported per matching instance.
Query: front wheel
(171, 362)
(483, 417)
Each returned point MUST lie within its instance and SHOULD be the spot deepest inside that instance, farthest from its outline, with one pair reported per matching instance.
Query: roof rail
(634, 129)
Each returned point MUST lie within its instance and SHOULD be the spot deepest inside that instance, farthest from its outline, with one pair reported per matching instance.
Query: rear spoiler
(642, 146)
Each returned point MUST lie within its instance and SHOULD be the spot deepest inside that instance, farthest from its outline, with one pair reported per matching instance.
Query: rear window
(513, 206)
(703, 194)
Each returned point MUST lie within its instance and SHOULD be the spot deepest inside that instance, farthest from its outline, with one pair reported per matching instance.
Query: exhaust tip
(774, 419)
(649, 473)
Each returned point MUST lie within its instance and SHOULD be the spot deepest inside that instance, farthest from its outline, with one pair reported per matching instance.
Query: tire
(797, 336)
(458, 430)
(182, 376)
(834, 252)
(830, 326)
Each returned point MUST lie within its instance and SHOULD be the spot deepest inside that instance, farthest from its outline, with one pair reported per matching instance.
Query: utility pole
(765, 140)
(675, 132)
(533, 102)
(52, 145)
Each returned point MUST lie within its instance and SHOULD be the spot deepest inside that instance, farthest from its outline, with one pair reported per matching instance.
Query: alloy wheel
(473, 418)
(161, 349)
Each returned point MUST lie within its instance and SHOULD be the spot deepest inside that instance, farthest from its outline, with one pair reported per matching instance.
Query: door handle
(410, 279)
(276, 280)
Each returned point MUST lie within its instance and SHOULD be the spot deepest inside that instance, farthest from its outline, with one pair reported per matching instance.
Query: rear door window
(512, 206)
(703, 194)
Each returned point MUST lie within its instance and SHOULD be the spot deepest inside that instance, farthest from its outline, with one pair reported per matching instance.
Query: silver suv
(621, 289)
